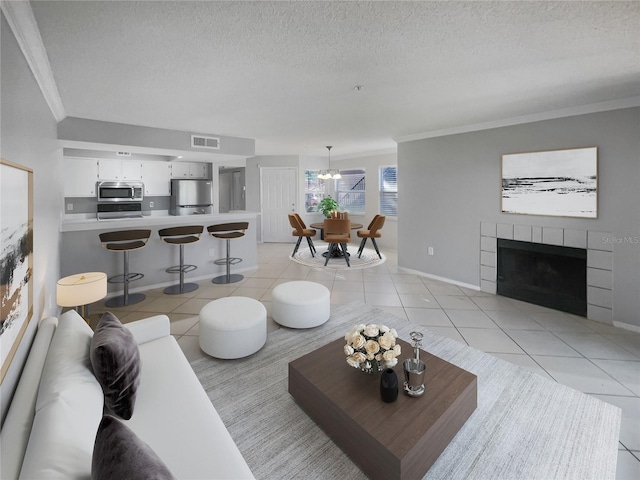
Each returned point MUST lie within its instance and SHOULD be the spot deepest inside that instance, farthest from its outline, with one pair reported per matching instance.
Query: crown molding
(24, 27)
(628, 102)
(369, 153)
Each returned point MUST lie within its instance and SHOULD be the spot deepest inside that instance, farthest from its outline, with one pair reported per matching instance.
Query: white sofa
(51, 425)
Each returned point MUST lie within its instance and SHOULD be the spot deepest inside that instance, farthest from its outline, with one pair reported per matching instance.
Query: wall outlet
(69, 207)
(212, 252)
(430, 251)
(151, 204)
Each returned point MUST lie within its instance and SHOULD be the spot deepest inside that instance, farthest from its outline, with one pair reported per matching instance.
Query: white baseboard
(626, 326)
(442, 279)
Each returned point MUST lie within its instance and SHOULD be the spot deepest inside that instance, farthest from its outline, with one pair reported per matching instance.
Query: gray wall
(96, 131)
(28, 137)
(449, 184)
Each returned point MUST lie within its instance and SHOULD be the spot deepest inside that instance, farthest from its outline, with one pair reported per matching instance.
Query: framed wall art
(16, 257)
(555, 183)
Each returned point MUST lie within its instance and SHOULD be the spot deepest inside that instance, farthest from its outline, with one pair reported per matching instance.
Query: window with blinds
(350, 191)
(389, 191)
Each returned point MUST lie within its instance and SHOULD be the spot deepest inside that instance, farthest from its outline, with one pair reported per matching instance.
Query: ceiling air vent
(198, 141)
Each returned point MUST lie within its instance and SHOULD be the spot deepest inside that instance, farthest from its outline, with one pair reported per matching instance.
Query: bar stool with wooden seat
(228, 231)
(125, 241)
(181, 236)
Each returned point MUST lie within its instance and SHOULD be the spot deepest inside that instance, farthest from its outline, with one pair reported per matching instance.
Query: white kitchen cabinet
(156, 177)
(198, 170)
(81, 175)
(189, 170)
(132, 171)
(121, 170)
(109, 169)
(180, 170)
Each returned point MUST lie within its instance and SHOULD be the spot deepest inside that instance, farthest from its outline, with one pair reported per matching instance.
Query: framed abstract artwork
(555, 183)
(16, 257)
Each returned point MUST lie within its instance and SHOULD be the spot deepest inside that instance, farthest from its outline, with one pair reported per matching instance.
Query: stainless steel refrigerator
(191, 197)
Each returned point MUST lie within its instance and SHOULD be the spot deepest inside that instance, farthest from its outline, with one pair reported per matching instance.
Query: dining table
(320, 226)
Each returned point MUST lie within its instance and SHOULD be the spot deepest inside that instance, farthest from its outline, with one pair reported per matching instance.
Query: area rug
(525, 426)
(368, 259)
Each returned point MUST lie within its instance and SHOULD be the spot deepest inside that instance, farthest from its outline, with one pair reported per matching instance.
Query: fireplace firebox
(547, 275)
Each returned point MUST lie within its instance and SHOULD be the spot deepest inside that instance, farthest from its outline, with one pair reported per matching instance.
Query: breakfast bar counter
(82, 250)
(76, 223)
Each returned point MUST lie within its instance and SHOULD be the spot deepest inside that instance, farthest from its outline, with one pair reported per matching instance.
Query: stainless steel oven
(111, 211)
(120, 191)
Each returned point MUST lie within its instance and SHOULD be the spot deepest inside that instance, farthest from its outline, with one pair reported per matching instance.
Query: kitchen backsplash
(89, 204)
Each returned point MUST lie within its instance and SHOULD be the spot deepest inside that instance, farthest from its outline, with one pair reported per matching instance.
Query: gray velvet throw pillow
(115, 359)
(118, 453)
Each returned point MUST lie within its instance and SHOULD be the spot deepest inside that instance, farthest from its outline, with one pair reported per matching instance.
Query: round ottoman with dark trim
(233, 327)
(300, 304)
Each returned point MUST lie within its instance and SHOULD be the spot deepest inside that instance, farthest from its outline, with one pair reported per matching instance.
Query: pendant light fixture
(329, 174)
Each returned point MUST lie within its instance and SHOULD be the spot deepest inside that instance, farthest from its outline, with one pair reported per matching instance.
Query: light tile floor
(594, 358)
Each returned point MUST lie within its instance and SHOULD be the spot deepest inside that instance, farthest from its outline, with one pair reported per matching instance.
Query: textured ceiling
(284, 73)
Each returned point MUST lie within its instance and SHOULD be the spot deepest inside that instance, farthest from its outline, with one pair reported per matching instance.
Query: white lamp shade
(81, 289)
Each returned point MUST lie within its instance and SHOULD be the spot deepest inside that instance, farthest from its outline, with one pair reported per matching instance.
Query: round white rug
(368, 259)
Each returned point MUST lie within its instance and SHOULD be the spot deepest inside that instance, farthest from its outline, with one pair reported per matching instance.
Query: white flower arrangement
(372, 347)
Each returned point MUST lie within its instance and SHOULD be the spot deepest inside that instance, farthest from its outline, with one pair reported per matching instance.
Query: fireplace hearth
(548, 275)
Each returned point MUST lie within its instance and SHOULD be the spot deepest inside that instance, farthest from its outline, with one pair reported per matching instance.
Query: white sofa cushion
(19, 420)
(61, 442)
(149, 329)
(171, 400)
(68, 409)
(67, 371)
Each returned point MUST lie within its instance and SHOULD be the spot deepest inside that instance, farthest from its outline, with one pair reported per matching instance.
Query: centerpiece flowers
(372, 348)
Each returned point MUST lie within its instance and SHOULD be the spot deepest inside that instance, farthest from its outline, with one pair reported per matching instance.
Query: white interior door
(279, 191)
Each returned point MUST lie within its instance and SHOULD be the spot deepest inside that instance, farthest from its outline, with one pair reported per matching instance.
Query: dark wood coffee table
(399, 440)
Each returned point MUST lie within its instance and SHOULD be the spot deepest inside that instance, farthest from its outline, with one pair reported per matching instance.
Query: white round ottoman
(233, 327)
(300, 304)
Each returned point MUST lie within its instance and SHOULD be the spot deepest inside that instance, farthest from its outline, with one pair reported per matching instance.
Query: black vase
(389, 385)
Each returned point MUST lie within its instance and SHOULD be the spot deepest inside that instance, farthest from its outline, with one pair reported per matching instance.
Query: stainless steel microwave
(120, 191)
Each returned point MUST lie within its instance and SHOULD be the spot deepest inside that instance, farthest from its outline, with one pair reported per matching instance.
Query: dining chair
(372, 232)
(301, 231)
(337, 233)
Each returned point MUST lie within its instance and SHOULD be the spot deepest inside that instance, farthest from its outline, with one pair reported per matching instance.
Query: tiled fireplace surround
(599, 259)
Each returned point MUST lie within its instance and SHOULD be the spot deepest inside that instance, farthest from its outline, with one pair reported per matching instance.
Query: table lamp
(81, 289)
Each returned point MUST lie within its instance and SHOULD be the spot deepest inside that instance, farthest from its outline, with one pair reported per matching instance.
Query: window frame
(314, 187)
(339, 194)
(384, 194)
